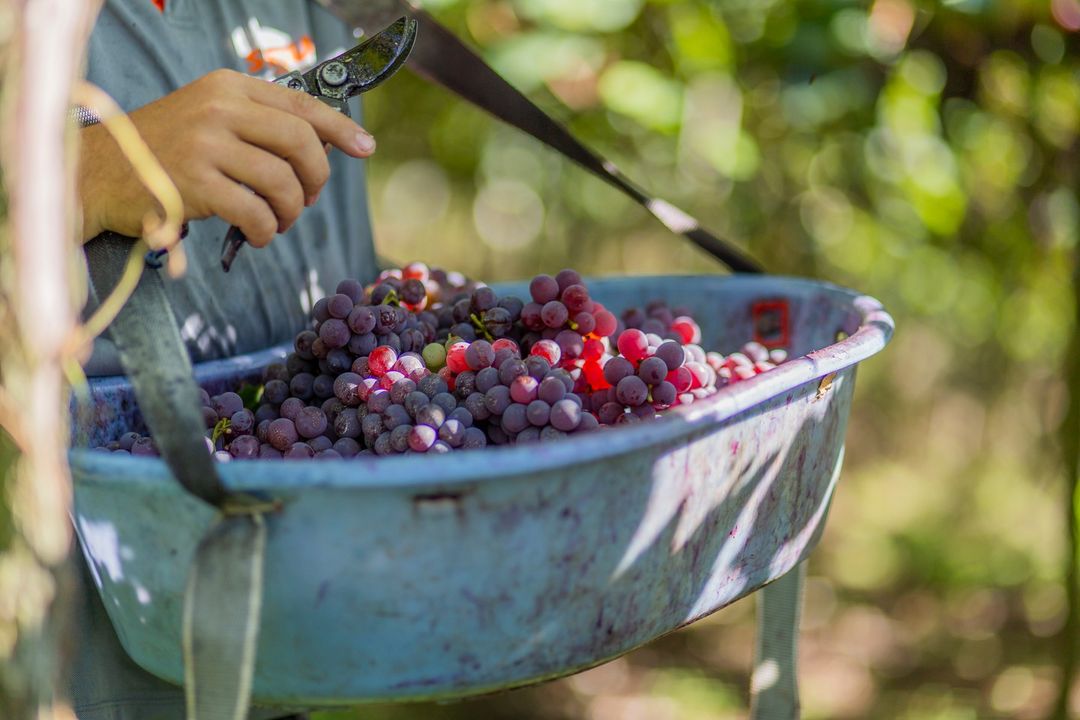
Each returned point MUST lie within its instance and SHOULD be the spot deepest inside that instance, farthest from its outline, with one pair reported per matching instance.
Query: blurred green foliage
(925, 153)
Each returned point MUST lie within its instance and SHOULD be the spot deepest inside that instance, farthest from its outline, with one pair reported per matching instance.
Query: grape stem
(480, 326)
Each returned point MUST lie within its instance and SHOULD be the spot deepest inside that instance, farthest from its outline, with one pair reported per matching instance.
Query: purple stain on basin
(417, 577)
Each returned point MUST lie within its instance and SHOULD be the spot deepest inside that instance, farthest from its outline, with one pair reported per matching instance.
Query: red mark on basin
(771, 322)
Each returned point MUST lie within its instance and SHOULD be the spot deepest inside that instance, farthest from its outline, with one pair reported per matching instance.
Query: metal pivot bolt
(334, 73)
(295, 84)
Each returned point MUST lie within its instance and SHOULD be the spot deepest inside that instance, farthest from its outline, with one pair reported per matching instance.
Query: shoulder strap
(439, 56)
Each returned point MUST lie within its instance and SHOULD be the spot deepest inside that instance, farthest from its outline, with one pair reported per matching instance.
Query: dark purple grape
(483, 298)
(291, 408)
(432, 385)
(672, 354)
(274, 371)
(127, 440)
(498, 322)
(446, 401)
(347, 447)
(395, 415)
(585, 323)
(338, 361)
(422, 437)
(487, 379)
(386, 319)
(554, 314)
(479, 355)
(565, 415)
(245, 447)
(275, 391)
(371, 425)
(439, 448)
(543, 289)
(631, 391)
(566, 278)
(462, 415)
(462, 310)
(474, 439)
(323, 386)
(514, 418)
(551, 390)
(497, 436)
(310, 422)
(382, 445)
(269, 452)
(477, 406)
(413, 291)
(537, 367)
(414, 401)
(512, 305)
(334, 333)
(452, 432)
(319, 349)
(652, 326)
(362, 367)
(303, 343)
(431, 414)
(552, 434)
(464, 331)
(617, 368)
(401, 390)
(511, 369)
(353, 288)
(610, 413)
(497, 399)
(465, 384)
(301, 386)
(530, 316)
(652, 370)
(339, 305)
(538, 412)
(399, 438)
(588, 422)
(265, 412)
(282, 434)
(575, 297)
(570, 343)
(528, 435)
(378, 401)
(347, 388)
(564, 376)
(320, 311)
(347, 424)
(242, 422)
(299, 451)
(503, 355)
(381, 292)
(361, 320)
(226, 404)
(663, 394)
(328, 454)
(296, 364)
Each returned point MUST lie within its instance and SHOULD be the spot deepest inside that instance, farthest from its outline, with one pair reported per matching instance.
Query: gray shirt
(138, 54)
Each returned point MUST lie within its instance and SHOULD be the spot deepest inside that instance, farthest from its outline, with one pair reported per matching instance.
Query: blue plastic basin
(417, 577)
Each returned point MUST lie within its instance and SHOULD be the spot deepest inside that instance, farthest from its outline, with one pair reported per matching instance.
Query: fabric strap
(439, 56)
(222, 603)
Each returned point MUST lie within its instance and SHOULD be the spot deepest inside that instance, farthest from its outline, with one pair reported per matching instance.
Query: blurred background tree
(924, 153)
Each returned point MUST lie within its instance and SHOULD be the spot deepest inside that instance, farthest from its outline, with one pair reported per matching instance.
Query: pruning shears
(336, 80)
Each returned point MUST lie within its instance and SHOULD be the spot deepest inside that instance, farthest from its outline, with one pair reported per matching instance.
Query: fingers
(292, 139)
(330, 125)
(239, 206)
(270, 177)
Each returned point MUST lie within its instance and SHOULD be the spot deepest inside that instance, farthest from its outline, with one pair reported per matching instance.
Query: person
(279, 164)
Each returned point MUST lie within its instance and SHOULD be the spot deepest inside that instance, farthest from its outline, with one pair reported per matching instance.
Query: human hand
(213, 137)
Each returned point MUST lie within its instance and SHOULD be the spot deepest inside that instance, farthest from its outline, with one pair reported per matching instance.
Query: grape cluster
(426, 361)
